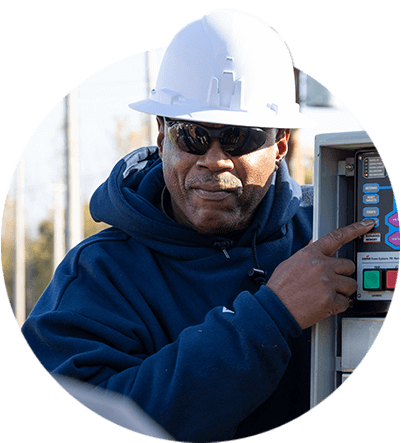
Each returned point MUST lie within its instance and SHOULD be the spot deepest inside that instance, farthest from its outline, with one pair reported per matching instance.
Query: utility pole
(19, 289)
(74, 216)
(152, 125)
(294, 157)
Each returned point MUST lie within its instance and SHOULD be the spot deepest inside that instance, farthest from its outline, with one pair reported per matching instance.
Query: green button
(371, 279)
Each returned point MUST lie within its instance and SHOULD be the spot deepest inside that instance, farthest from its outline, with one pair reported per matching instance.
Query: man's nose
(215, 158)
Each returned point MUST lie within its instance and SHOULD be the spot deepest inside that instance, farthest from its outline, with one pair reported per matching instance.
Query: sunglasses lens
(190, 138)
(240, 141)
(235, 140)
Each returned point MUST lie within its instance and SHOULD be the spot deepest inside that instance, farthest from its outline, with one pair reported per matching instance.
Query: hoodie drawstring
(257, 274)
(223, 246)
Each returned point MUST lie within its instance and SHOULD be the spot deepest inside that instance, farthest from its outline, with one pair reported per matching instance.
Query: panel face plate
(377, 253)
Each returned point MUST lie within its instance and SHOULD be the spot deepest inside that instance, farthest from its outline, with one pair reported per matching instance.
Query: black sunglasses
(235, 140)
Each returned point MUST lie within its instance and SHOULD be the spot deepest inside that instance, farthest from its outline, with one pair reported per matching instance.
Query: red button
(391, 278)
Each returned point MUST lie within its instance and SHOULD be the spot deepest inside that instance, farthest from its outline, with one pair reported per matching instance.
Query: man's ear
(160, 135)
(282, 146)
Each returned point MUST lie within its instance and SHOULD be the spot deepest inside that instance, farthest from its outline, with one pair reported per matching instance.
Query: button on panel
(372, 280)
(391, 279)
(371, 187)
(394, 239)
(370, 212)
(392, 219)
(371, 199)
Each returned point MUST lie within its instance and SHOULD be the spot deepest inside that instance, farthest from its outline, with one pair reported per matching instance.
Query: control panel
(376, 253)
(351, 184)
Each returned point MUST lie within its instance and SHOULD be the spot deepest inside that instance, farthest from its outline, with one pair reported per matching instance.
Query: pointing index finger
(334, 240)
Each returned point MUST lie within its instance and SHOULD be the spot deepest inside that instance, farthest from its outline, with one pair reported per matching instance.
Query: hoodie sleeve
(199, 386)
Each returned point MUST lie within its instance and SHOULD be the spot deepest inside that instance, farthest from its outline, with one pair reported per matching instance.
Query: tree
(39, 253)
(90, 226)
(39, 249)
(127, 140)
(39, 264)
(7, 244)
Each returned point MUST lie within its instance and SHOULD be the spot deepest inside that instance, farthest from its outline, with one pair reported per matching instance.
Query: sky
(103, 98)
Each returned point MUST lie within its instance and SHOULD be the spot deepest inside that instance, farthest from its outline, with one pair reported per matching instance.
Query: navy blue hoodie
(171, 319)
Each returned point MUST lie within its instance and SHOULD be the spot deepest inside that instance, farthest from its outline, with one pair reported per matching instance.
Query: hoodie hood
(130, 200)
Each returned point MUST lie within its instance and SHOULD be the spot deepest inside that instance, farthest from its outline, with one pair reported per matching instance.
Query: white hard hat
(227, 68)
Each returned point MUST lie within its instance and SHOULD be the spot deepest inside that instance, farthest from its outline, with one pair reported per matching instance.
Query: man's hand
(312, 284)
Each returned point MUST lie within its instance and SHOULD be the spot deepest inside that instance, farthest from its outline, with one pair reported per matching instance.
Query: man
(196, 304)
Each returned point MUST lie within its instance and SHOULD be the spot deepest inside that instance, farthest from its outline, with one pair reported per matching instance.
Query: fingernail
(367, 222)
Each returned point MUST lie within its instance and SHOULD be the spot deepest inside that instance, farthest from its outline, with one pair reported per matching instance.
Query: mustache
(229, 182)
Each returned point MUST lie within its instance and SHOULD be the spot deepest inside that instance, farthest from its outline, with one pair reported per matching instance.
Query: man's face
(216, 193)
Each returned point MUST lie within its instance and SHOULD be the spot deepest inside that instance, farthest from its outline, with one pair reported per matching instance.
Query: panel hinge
(347, 167)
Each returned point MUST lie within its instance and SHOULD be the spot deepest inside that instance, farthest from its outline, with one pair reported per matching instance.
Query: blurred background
(74, 149)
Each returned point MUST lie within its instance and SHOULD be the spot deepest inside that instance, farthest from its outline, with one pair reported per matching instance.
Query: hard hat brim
(262, 118)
